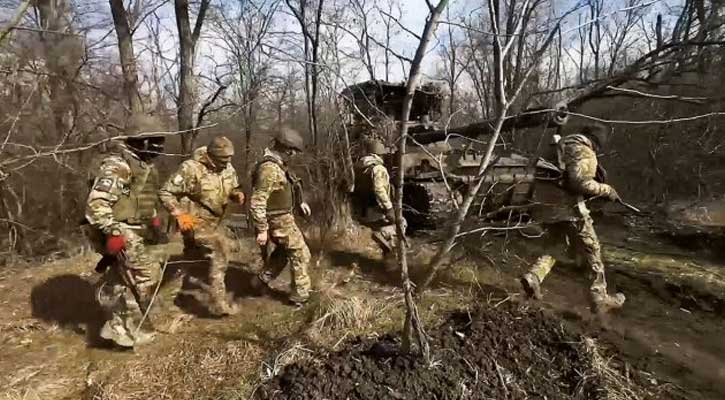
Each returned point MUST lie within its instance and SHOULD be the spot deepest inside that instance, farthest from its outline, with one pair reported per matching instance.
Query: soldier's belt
(275, 213)
(135, 226)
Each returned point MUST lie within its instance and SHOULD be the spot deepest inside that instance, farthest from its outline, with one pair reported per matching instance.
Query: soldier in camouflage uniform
(372, 192)
(276, 194)
(209, 182)
(120, 209)
(577, 159)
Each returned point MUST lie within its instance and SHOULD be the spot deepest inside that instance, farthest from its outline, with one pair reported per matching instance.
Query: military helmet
(145, 137)
(561, 116)
(375, 146)
(598, 133)
(290, 138)
(220, 147)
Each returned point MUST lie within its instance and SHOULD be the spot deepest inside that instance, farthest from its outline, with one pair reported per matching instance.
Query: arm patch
(104, 185)
(178, 180)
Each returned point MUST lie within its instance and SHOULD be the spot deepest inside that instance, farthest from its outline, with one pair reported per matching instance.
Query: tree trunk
(187, 84)
(315, 73)
(187, 81)
(15, 20)
(412, 320)
(128, 60)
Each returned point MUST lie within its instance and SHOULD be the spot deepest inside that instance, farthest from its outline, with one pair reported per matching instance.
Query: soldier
(276, 194)
(577, 159)
(208, 182)
(372, 194)
(120, 209)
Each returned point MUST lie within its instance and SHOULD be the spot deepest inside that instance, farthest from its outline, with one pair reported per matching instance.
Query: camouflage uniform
(206, 193)
(578, 160)
(272, 204)
(122, 201)
(373, 186)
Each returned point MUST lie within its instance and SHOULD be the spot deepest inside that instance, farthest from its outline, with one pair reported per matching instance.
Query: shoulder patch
(104, 185)
(178, 180)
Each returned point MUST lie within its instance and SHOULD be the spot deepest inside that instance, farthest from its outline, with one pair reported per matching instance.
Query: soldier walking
(121, 210)
(206, 183)
(276, 195)
(372, 195)
(578, 160)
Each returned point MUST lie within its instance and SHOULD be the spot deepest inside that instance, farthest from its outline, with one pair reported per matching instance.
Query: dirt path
(673, 321)
(45, 311)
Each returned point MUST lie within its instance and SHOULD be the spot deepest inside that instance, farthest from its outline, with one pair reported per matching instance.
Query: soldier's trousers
(585, 243)
(135, 274)
(289, 247)
(215, 245)
(386, 231)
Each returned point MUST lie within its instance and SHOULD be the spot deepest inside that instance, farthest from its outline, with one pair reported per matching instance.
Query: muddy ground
(501, 351)
(667, 339)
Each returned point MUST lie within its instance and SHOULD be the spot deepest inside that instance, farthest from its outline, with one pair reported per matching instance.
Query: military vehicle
(441, 163)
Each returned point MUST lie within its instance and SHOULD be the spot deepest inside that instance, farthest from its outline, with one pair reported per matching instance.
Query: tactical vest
(601, 173)
(364, 187)
(280, 201)
(139, 205)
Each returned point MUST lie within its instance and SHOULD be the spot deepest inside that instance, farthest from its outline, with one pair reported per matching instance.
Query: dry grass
(21, 395)
(191, 371)
(615, 386)
(296, 353)
(338, 313)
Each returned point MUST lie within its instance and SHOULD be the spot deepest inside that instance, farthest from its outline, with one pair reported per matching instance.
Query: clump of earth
(505, 352)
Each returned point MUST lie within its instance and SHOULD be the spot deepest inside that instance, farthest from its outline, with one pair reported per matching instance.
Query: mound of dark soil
(494, 353)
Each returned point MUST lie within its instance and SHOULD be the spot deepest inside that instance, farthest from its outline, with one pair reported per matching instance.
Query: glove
(612, 195)
(262, 238)
(186, 222)
(305, 208)
(237, 197)
(106, 261)
(390, 215)
(159, 236)
(115, 244)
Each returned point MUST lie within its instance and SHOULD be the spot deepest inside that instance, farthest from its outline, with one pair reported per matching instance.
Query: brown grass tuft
(343, 314)
(615, 386)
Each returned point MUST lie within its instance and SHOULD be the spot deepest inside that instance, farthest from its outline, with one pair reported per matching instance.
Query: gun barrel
(630, 207)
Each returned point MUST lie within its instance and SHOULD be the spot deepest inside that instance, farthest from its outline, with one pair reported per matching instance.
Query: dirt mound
(498, 353)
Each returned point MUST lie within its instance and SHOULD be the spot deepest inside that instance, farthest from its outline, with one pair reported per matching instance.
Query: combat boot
(384, 244)
(297, 300)
(531, 285)
(603, 303)
(115, 331)
(222, 308)
(141, 338)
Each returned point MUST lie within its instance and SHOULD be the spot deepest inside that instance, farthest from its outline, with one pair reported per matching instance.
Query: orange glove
(237, 197)
(186, 222)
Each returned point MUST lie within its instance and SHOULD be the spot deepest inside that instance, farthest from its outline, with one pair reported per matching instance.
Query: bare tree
(128, 59)
(412, 319)
(244, 31)
(18, 15)
(309, 16)
(502, 45)
(188, 40)
(388, 20)
(454, 63)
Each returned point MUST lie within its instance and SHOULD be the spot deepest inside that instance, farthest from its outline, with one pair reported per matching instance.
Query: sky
(414, 13)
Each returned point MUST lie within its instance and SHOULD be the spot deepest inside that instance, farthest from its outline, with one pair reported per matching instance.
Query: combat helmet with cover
(145, 139)
(290, 138)
(374, 145)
